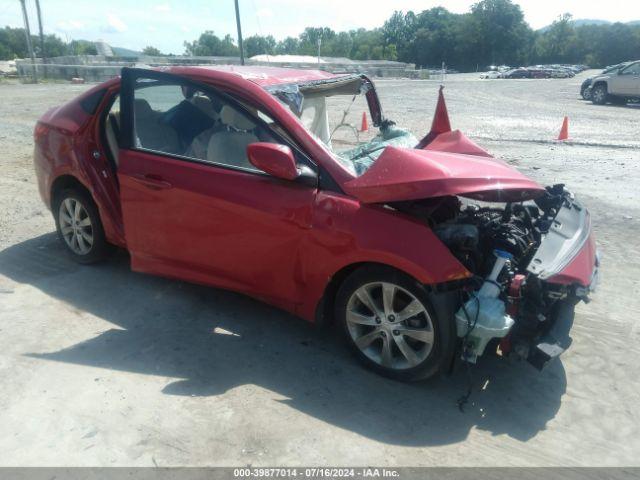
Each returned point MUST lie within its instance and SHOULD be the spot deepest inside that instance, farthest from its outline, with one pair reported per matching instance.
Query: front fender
(346, 232)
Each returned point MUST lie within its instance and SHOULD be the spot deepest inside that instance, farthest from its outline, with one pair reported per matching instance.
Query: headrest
(204, 104)
(230, 116)
(142, 108)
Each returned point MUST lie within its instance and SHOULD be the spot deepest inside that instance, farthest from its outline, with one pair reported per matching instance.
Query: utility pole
(239, 33)
(41, 32)
(319, 45)
(27, 32)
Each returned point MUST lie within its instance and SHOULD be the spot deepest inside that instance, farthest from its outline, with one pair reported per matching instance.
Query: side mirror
(274, 159)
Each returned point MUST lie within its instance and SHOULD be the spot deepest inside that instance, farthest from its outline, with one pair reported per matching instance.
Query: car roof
(262, 76)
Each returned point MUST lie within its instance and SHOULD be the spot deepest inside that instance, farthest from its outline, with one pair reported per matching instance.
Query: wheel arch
(325, 307)
(600, 82)
(68, 181)
(444, 300)
(110, 216)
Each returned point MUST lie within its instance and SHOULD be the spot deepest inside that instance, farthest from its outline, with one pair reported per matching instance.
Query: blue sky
(166, 24)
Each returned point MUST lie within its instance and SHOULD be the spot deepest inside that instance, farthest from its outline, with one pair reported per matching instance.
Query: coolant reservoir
(484, 316)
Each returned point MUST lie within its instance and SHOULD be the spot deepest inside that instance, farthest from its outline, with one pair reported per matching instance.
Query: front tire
(599, 94)
(586, 93)
(79, 227)
(389, 322)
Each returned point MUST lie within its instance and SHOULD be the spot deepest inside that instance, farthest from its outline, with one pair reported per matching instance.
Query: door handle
(149, 180)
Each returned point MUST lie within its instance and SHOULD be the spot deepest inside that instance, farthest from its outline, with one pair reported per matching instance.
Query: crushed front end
(532, 263)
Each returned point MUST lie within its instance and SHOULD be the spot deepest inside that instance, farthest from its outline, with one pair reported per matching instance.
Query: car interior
(198, 126)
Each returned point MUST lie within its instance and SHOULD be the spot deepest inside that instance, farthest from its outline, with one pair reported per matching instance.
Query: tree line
(13, 44)
(493, 32)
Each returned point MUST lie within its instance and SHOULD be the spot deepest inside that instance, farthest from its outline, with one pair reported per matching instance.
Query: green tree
(209, 44)
(400, 31)
(308, 40)
(338, 46)
(53, 46)
(500, 31)
(81, 47)
(288, 46)
(151, 51)
(257, 45)
(558, 42)
(13, 43)
(434, 37)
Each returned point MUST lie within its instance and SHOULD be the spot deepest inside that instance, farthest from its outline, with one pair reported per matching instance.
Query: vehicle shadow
(211, 340)
(632, 105)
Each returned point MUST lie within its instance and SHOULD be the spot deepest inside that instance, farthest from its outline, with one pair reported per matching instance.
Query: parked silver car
(618, 86)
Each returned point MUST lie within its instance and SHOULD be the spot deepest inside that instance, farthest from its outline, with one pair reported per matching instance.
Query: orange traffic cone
(564, 131)
(365, 125)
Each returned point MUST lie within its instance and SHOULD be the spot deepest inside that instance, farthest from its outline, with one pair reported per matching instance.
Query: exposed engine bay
(505, 301)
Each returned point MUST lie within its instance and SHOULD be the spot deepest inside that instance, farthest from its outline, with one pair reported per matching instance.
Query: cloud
(164, 7)
(69, 25)
(264, 13)
(114, 24)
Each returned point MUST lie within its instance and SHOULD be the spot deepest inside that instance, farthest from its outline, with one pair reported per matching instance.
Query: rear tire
(391, 325)
(79, 226)
(599, 94)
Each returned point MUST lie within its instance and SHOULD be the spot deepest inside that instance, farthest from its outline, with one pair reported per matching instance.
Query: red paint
(456, 142)
(213, 225)
(410, 174)
(275, 239)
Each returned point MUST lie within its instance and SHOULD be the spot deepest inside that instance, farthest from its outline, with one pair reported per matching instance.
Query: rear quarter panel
(66, 138)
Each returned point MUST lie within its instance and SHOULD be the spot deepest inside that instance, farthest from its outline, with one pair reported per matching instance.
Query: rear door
(205, 214)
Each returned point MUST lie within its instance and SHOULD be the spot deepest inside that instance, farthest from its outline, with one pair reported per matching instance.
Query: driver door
(206, 216)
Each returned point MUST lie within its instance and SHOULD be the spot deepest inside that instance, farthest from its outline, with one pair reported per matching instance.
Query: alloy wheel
(75, 226)
(389, 325)
(598, 95)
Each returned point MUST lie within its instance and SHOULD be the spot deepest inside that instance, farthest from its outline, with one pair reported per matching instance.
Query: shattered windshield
(338, 116)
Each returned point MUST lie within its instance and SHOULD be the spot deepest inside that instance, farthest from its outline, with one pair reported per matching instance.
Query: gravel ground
(102, 367)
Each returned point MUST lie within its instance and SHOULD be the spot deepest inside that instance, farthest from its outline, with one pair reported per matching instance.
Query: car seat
(151, 132)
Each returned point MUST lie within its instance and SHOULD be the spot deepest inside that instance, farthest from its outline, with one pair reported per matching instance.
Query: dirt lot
(102, 366)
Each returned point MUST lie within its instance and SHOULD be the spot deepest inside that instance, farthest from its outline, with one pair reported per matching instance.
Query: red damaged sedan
(422, 250)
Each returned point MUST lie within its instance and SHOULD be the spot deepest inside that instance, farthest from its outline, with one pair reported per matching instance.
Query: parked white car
(618, 86)
(491, 74)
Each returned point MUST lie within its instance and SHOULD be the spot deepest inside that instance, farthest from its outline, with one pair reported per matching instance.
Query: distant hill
(592, 21)
(125, 52)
